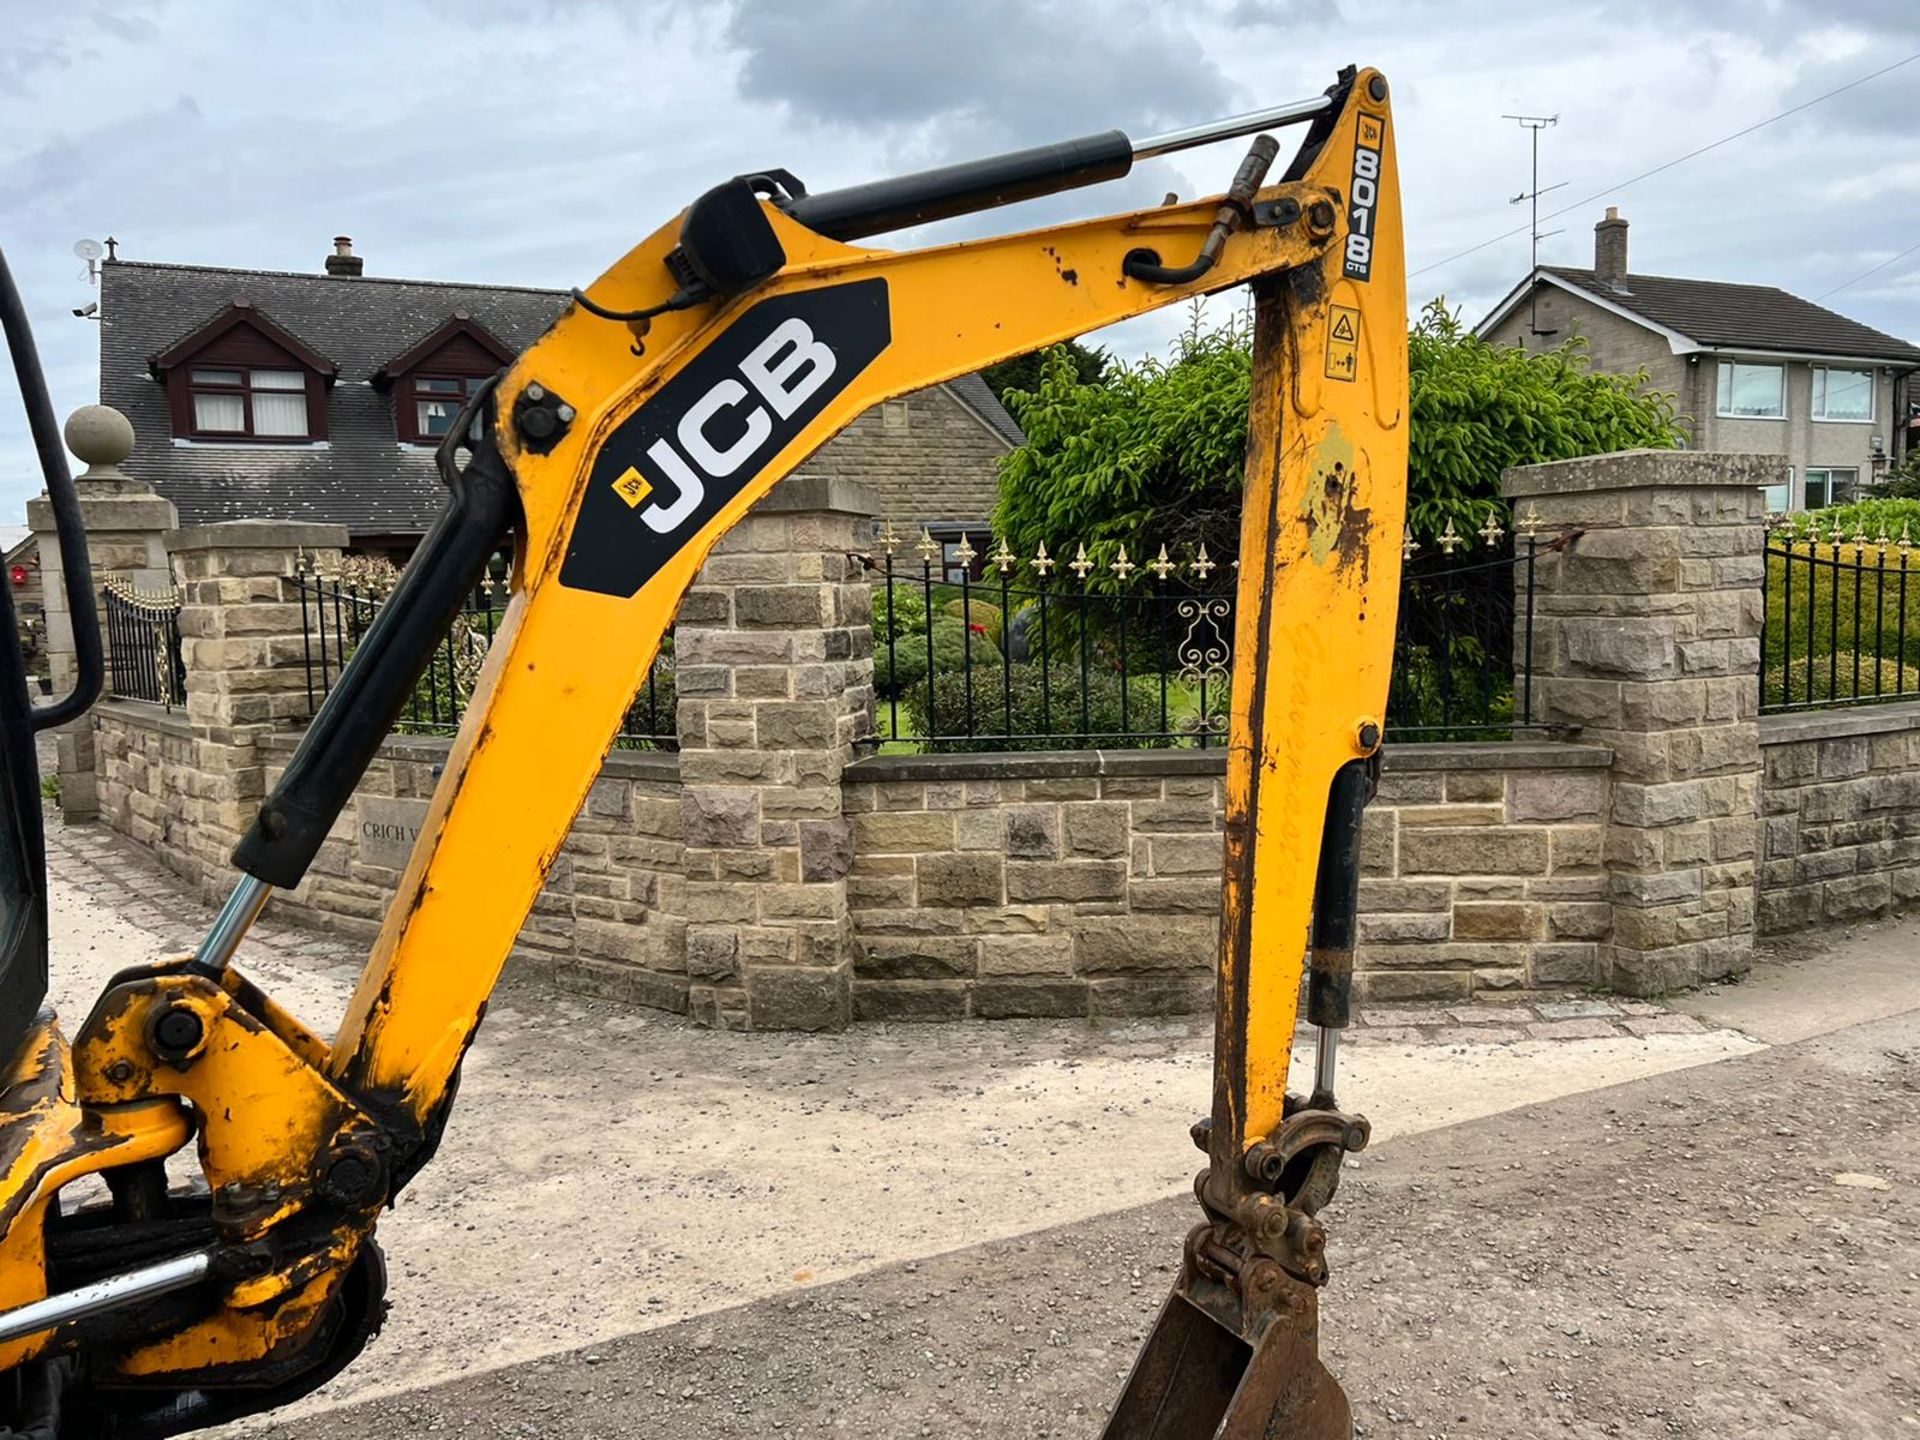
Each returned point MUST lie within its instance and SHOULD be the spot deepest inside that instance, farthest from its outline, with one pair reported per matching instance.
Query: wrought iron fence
(144, 654)
(1841, 624)
(978, 649)
(335, 614)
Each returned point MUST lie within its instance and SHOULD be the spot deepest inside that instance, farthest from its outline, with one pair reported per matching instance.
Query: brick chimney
(1610, 248)
(344, 262)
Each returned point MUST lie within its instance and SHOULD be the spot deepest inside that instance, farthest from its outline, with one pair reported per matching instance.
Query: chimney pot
(1610, 248)
(343, 261)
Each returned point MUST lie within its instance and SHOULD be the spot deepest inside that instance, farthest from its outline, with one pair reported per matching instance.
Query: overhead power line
(1668, 165)
(1865, 273)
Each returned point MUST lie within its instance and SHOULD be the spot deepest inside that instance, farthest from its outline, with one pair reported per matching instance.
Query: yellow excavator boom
(706, 364)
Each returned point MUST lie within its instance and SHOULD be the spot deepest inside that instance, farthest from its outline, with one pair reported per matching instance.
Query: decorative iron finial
(1491, 531)
(1004, 558)
(888, 540)
(927, 546)
(1202, 566)
(1530, 520)
(1162, 566)
(965, 553)
(1450, 540)
(1409, 546)
(1905, 542)
(1122, 566)
(1041, 564)
(1080, 564)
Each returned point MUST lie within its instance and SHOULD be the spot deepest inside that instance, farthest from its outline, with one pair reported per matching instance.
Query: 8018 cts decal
(1365, 195)
(710, 430)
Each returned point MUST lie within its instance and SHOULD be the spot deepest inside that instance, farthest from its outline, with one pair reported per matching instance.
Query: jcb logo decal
(669, 467)
(1364, 196)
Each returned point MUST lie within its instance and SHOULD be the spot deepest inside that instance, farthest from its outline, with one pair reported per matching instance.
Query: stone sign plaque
(388, 829)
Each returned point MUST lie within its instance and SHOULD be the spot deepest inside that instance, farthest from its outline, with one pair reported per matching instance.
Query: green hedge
(1867, 619)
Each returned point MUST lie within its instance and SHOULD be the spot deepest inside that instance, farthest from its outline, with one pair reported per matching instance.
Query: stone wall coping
(148, 714)
(1070, 764)
(103, 515)
(1642, 470)
(258, 535)
(1838, 724)
(432, 750)
(820, 493)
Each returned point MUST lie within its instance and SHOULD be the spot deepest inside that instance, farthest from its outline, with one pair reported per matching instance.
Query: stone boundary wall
(1840, 805)
(1064, 884)
(766, 877)
(1073, 883)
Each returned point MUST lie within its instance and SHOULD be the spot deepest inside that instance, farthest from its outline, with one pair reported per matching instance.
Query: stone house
(1752, 368)
(259, 394)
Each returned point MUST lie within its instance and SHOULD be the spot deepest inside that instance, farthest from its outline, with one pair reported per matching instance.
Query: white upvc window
(1752, 392)
(1830, 487)
(1780, 497)
(1842, 394)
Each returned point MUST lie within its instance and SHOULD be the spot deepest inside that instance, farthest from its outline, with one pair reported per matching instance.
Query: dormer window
(257, 404)
(242, 378)
(437, 399)
(433, 379)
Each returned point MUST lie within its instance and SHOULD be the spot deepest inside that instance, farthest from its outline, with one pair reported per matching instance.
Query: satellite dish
(89, 249)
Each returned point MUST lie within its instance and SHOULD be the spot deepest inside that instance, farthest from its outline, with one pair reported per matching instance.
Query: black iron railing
(334, 614)
(144, 654)
(985, 651)
(1841, 624)
(1463, 651)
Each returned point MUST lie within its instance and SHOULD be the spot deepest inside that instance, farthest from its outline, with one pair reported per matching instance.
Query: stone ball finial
(99, 435)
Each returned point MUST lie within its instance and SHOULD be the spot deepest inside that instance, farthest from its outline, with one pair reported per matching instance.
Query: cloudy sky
(532, 141)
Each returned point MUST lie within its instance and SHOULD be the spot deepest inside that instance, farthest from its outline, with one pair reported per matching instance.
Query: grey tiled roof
(975, 395)
(1750, 317)
(364, 477)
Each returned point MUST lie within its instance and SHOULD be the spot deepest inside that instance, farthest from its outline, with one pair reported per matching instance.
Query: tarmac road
(1731, 1250)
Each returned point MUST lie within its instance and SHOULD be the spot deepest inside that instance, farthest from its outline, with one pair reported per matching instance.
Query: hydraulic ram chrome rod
(103, 1295)
(1292, 113)
(973, 185)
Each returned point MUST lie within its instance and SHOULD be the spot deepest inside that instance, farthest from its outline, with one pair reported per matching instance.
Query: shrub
(1874, 517)
(977, 612)
(1049, 711)
(899, 638)
(903, 662)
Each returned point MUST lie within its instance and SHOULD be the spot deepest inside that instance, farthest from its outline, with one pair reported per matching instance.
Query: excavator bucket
(1201, 1377)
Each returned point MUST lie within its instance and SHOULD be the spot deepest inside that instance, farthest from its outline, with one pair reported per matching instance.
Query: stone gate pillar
(242, 636)
(775, 673)
(126, 524)
(1647, 640)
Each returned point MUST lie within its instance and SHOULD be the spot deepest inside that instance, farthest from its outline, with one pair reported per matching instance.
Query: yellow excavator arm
(705, 365)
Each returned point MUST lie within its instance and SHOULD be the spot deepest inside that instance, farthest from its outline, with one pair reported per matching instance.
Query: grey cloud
(1004, 70)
